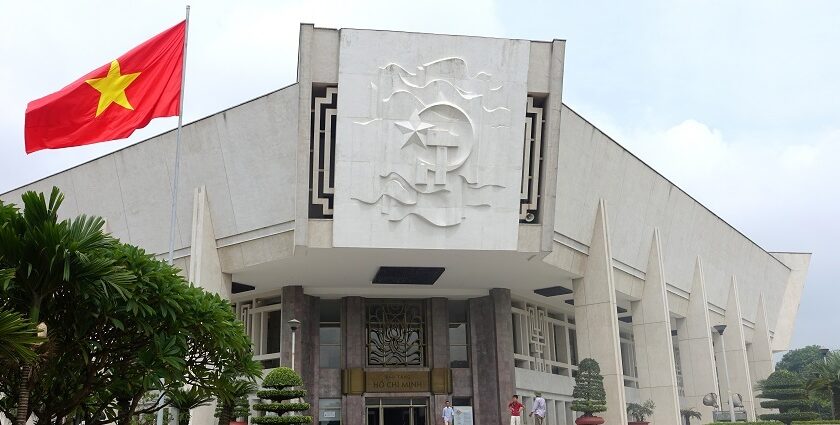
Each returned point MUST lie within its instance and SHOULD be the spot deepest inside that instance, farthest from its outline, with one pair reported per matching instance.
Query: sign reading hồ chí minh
(397, 382)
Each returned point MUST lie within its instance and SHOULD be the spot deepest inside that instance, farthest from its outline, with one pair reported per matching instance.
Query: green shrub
(817, 422)
(747, 423)
(589, 395)
(788, 393)
(279, 383)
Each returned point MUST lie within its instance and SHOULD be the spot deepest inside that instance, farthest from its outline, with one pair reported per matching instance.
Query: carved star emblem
(414, 130)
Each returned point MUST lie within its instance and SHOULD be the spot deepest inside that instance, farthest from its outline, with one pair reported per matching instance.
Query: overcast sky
(738, 103)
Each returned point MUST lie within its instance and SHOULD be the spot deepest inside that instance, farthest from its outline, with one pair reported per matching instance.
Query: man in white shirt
(448, 414)
(538, 410)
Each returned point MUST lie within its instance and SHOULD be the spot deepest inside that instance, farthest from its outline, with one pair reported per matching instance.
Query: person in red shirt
(515, 411)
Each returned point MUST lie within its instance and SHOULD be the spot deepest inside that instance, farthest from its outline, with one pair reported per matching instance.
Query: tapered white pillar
(205, 272)
(205, 268)
(759, 353)
(653, 342)
(696, 349)
(596, 318)
(736, 351)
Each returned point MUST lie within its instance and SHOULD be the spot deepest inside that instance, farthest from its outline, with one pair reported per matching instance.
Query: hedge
(747, 423)
(282, 377)
(287, 420)
(281, 394)
(817, 422)
(281, 407)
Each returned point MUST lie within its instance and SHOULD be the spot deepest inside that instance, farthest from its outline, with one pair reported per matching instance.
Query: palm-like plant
(17, 337)
(828, 379)
(689, 414)
(229, 400)
(640, 412)
(52, 262)
(186, 400)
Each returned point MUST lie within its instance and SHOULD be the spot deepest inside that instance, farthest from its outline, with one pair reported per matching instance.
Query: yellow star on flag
(112, 88)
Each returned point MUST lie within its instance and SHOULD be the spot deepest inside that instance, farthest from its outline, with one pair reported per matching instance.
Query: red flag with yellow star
(113, 100)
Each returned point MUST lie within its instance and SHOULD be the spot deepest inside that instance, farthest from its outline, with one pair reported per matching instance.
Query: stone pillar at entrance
(353, 316)
(297, 305)
(491, 345)
(439, 343)
(596, 317)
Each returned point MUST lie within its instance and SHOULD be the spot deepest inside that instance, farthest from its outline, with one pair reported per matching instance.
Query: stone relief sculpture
(434, 120)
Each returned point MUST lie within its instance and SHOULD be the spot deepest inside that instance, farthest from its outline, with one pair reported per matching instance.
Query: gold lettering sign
(396, 382)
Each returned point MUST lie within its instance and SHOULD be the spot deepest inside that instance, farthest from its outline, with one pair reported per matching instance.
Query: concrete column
(304, 80)
(503, 331)
(205, 271)
(759, 353)
(490, 394)
(696, 348)
(551, 140)
(353, 315)
(736, 351)
(654, 346)
(310, 335)
(297, 305)
(596, 317)
(439, 344)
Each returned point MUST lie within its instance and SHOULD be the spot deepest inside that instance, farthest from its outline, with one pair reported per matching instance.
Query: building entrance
(397, 411)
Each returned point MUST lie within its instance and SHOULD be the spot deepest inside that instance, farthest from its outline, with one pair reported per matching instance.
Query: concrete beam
(653, 342)
(596, 317)
(696, 349)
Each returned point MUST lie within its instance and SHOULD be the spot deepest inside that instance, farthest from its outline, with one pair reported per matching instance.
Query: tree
(58, 266)
(232, 400)
(280, 383)
(787, 393)
(800, 360)
(589, 395)
(689, 414)
(186, 400)
(121, 323)
(828, 379)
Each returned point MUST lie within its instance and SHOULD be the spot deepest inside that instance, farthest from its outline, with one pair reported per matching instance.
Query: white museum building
(445, 228)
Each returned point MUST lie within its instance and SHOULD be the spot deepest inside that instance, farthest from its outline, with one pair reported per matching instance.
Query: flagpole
(173, 217)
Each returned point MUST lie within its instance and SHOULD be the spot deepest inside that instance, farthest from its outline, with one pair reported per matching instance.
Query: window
(459, 347)
(396, 336)
(543, 339)
(329, 411)
(330, 334)
(263, 323)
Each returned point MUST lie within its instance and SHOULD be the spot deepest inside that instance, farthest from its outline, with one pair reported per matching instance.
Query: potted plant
(640, 412)
(589, 395)
(689, 414)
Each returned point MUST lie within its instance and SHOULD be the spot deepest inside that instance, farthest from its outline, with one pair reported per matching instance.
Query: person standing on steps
(538, 410)
(448, 414)
(515, 410)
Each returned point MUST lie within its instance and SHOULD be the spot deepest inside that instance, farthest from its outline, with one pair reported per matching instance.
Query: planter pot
(238, 423)
(589, 420)
(638, 423)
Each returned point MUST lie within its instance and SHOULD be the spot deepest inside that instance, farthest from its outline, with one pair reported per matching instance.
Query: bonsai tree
(186, 400)
(232, 401)
(787, 393)
(689, 414)
(589, 395)
(280, 383)
(640, 412)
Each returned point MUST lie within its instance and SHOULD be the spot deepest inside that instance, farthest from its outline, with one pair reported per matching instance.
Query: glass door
(396, 411)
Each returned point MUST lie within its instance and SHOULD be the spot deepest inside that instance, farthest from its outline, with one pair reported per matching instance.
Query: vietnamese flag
(113, 100)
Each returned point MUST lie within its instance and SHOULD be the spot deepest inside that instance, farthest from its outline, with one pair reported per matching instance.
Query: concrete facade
(553, 242)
